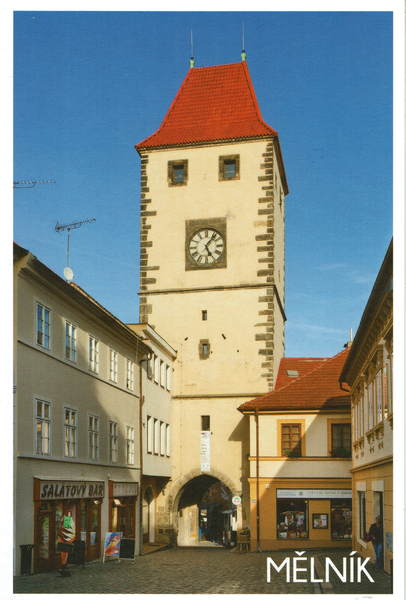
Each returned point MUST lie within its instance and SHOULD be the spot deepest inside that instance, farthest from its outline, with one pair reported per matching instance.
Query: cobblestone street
(200, 571)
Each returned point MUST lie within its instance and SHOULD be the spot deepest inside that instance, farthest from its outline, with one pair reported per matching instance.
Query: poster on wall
(205, 451)
(112, 545)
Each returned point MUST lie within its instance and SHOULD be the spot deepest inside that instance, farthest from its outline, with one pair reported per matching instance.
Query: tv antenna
(25, 185)
(68, 273)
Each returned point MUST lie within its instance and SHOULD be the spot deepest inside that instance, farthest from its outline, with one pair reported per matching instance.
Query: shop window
(83, 521)
(94, 523)
(362, 514)
(177, 172)
(229, 167)
(341, 439)
(43, 418)
(43, 326)
(113, 441)
(123, 516)
(292, 519)
(341, 520)
(130, 445)
(93, 354)
(130, 375)
(70, 341)
(44, 528)
(291, 440)
(70, 432)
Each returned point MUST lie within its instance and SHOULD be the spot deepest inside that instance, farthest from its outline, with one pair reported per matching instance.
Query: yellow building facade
(368, 370)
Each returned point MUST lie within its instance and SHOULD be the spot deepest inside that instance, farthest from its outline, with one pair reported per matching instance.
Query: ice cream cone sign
(66, 533)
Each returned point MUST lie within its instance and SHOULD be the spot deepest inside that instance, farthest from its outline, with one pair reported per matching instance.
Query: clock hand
(208, 251)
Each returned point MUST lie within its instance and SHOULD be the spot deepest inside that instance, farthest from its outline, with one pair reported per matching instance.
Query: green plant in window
(341, 452)
(291, 453)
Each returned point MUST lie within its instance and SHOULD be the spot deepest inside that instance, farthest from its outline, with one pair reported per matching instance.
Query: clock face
(206, 246)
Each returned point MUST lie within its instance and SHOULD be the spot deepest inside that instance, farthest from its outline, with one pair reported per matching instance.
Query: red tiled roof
(213, 104)
(301, 365)
(318, 389)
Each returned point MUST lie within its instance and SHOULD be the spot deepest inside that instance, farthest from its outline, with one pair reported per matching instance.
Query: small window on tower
(177, 172)
(204, 315)
(229, 167)
(205, 422)
(204, 349)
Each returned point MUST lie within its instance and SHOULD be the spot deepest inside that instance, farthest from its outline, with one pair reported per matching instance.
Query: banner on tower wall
(205, 451)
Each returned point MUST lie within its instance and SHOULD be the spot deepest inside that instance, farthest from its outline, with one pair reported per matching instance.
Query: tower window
(177, 172)
(229, 167)
(204, 315)
(205, 422)
(204, 349)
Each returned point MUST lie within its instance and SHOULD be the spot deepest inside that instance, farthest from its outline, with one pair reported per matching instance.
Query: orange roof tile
(213, 104)
(300, 365)
(318, 389)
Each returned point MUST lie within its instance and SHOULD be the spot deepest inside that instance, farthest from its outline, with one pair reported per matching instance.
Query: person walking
(376, 535)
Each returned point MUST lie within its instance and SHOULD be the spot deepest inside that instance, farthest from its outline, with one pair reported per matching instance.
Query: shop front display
(329, 513)
(53, 500)
(122, 501)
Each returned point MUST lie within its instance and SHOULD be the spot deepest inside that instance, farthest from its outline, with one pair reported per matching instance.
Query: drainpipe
(146, 359)
(257, 442)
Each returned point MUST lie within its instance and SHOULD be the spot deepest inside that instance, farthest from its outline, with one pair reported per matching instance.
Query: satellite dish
(68, 274)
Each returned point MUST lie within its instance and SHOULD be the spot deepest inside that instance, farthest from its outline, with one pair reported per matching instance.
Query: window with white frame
(113, 365)
(371, 405)
(362, 514)
(43, 326)
(130, 445)
(168, 378)
(387, 379)
(355, 421)
(378, 390)
(361, 416)
(70, 341)
(163, 372)
(130, 374)
(163, 438)
(43, 420)
(93, 432)
(156, 369)
(149, 367)
(113, 441)
(168, 440)
(70, 425)
(156, 436)
(150, 435)
(93, 354)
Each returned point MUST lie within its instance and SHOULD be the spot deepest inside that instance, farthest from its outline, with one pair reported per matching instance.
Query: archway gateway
(205, 513)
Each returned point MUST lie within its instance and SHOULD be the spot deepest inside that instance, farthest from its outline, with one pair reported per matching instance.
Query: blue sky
(88, 86)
